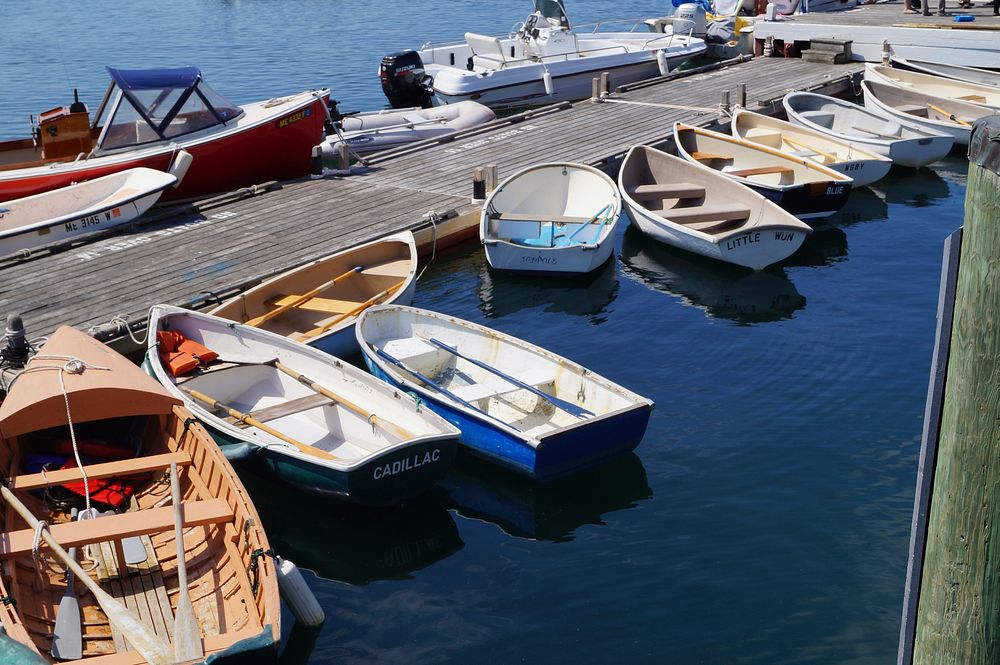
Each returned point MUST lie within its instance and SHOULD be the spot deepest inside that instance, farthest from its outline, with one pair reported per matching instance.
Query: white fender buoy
(182, 162)
(547, 82)
(661, 60)
(297, 594)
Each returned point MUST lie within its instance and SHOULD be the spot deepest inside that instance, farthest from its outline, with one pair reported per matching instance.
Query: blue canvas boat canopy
(154, 105)
(154, 79)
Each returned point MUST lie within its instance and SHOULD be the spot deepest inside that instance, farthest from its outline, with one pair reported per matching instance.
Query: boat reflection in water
(914, 187)
(348, 543)
(523, 508)
(822, 247)
(721, 290)
(503, 293)
(863, 206)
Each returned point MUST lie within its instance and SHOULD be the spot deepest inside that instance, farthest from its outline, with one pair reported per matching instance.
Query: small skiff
(802, 187)
(862, 165)
(71, 212)
(957, 72)
(516, 404)
(391, 128)
(697, 209)
(934, 114)
(129, 432)
(936, 86)
(319, 302)
(551, 218)
(319, 423)
(904, 143)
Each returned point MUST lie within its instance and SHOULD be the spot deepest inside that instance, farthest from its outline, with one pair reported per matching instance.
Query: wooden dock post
(957, 617)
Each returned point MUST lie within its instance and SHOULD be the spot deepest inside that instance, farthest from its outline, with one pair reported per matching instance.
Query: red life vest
(181, 355)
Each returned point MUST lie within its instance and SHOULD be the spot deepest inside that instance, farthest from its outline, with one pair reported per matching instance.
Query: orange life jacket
(180, 354)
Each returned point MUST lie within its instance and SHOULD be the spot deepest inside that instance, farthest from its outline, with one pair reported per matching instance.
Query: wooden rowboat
(129, 432)
(936, 114)
(516, 404)
(800, 186)
(957, 72)
(320, 424)
(71, 212)
(937, 86)
(551, 218)
(319, 302)
(904, 143)
(862, 165)
(697, 209)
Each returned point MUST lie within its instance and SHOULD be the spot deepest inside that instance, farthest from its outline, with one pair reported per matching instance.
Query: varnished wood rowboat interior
(221, 536)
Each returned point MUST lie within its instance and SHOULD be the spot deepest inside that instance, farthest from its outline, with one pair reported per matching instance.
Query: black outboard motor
(404, 81)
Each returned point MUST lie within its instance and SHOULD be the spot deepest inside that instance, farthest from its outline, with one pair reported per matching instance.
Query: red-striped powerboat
(147, 117)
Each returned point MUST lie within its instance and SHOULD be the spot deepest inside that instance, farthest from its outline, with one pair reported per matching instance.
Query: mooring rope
(432, 217)
(121, 320)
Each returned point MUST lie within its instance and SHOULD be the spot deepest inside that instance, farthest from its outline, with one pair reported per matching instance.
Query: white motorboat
(864, 166)
(68, 213)
(938, 86)
(697, 209)
(937, 114)
(957, 72)
(391, 128)
(904, 143)
(552, 218)
(541, 61)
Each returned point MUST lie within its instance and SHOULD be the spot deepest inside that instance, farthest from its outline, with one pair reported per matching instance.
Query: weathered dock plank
(219, 245)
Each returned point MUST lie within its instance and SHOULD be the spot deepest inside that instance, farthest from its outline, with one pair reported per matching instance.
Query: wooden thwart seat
(116, 527)
(106, 470)
(668, 190)
(316, 304)
(760, 170)
(913, 109)
(974, 98)
(881, 135)
(288, 408)
(697, 154)
(723, 212)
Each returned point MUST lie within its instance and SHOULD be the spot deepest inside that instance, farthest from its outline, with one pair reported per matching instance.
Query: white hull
(768, 234)
(552, 218)
(937, 86)
(957, 72)
(863, 166)
(69, 213)
(904, 143)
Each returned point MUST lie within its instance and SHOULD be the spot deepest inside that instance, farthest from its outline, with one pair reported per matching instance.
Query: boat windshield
(554, 10)
(160, 104)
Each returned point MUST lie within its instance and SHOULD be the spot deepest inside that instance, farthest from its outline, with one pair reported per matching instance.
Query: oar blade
(67, 641)
(187, 635)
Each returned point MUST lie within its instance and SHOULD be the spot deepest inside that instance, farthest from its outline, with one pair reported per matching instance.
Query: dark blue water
(765, 517)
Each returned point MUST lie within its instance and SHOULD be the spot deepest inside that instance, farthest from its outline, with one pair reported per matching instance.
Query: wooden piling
(958, 611)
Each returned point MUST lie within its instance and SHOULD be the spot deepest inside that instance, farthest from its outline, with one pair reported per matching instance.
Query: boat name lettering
(295, 117)
(854, 166)
(834, 190)
(787, 236)
(407, 464)
(539, 259)
(743, 240)
(478, 143)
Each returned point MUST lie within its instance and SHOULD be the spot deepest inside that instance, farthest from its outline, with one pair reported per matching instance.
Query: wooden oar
(568, 407)
(253, 422)
(322, 390)
(187, 635)
(67, 642)
(806, 146)
(950, 116)
(298, 302)
(138, 634)
(319, 330)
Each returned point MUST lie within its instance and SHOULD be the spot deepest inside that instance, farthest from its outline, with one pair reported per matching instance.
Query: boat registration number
(295, 117)
(92, 220)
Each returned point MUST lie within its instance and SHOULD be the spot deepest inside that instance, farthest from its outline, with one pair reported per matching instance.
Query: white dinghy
(904, 143)
(697, 209)
(937, 86)
(864, 166)
(516, 404)
(69, 213)
(392, 128)
(935, 114)
(957, 72)
(321, 424)
(541, 61)
(552, 218)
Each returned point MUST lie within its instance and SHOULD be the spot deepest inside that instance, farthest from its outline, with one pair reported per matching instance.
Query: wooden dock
(936, 38)
(223, 245)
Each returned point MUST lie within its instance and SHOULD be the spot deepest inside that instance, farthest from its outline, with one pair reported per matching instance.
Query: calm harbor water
(764, 518)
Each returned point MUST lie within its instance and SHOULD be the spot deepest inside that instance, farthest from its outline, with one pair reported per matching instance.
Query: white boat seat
(913, 109)
(412, 349)
(668, 190)
(804, 153)
(881, 135)
(764, 136)
(821, 118)
(540, 217)
(487, 51)
(722, 212)
(495, 386)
